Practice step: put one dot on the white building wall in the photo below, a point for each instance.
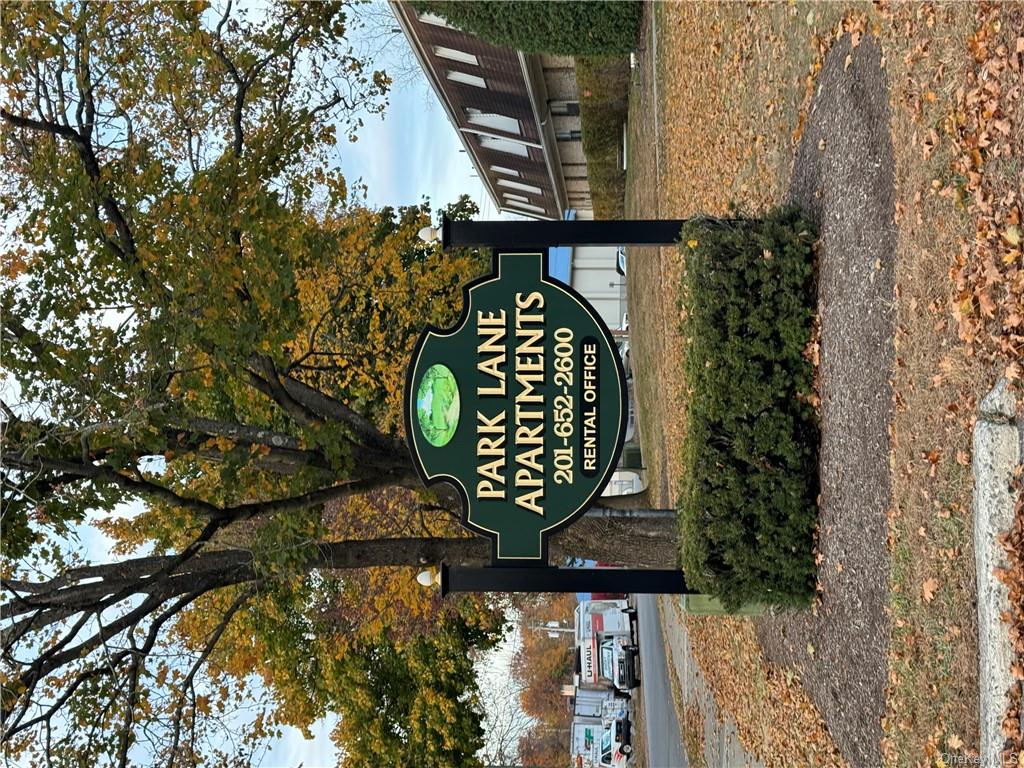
(593, 274)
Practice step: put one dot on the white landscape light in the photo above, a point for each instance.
(429, 577)
(429, 235)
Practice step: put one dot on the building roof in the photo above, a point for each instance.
(495, 99)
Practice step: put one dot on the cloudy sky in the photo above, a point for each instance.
(414, 150)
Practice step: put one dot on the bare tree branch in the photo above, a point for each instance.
(170, 579)
(211, 643)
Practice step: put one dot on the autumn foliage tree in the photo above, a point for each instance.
(544, 747)
(198, 318)
(415, 703)
(542, 665)
(196, 315)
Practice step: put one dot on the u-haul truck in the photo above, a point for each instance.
(604, 703)
(596, 743)
(604, 643)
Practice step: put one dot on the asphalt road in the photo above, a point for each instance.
(664, 744)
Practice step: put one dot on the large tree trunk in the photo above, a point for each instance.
(92, 587)
(89, 590)
(646, 542)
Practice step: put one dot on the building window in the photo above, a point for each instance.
(504, 145)
(526, 206)
(568, 135)
(507, 171)
(491, 120)
(510, 196)
(520, 186)
(433, 18)
(466, 79)
(455, 55)
(561, 108)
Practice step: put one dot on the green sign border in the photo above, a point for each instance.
(410, 408)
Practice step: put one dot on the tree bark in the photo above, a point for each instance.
(641, 543)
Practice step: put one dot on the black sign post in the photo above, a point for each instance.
(519, 235)
(549, 579)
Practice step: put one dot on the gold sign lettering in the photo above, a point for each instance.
(492, 486)
(491, 329)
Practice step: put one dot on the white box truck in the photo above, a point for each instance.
(605, 646)
(599, 744)
(603, 703)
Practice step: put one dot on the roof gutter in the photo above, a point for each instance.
(533, 74)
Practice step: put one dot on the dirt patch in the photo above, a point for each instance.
(693, 734)
(843, 178)
(651, 283)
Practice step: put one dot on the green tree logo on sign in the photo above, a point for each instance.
(520, 406)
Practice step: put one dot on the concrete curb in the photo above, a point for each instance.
(998, 441)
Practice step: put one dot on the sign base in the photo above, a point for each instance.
(549, 579)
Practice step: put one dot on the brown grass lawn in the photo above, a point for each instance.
(715, 115)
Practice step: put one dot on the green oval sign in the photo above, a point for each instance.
(437, 405)
(520, 406)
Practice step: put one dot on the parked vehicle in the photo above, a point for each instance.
(624, 482)
(597, 744)
(605, 646)
(623, 347)
(604, 703)
(606, 669)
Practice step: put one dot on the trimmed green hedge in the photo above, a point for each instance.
(603, 87)
(571, 28)
(748, 504)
